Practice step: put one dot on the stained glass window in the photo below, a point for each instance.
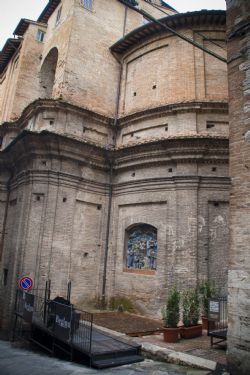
(141, 247)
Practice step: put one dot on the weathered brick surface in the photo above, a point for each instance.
(21, 79)
(239, 266)
(169, 154)
(172, 72)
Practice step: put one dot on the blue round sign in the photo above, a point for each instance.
(26, 283)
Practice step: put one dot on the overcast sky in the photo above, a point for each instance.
(12, 10)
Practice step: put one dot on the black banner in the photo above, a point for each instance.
(63, 316)
(29, 300)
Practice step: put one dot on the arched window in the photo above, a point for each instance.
(141, 247)
(47, 73)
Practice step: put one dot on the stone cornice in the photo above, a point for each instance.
(188, 106)
(203, 149)
(42, 177)
(171, 183)
(53, 105)
(184, 138)
(52, 145)
(58, 105)
(186, 149)
(197, 142)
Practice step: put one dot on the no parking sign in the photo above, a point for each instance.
(26, 283)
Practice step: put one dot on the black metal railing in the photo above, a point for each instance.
(70, 325)
(217, 319)
(57, 317)
(27, 306)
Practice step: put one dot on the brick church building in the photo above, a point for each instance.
(114, 152)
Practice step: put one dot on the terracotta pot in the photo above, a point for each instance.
(170, 334)
(191, 332)
(204, 322)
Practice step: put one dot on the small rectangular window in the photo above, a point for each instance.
(210, 125)
(40, 36)
(88, 4)
(58, 15)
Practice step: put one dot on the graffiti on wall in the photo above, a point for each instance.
(141, 249)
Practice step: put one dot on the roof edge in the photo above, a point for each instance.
(8, 51)
(168, 6)
(174, 21)
(48, 10)
(23, 26)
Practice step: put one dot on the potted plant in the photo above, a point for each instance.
(207, 290)
(171, 316)
(191, 313)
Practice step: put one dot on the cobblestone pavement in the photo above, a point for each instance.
(130, 323)
(19, 361)
(199, 347)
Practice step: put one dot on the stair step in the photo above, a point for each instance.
(117, 361)
(114, 354)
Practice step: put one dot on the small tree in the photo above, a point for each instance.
(171, 312)
(191, 307)
(207, 290)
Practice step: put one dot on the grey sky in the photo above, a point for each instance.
(12, 10)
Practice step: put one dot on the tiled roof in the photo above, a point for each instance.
(48, 10)
(22, 26)
(189, 19)
(8, 51)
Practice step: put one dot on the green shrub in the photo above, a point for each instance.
(121, 304)
(207, 290)
(171, 312)
(191, 307)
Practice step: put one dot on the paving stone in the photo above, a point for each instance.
(19, 361)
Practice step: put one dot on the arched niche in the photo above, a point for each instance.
(141, 247)
(47, 73)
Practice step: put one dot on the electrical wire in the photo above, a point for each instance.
(159, 7)
(168, 28)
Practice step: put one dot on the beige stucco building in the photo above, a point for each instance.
(114, 152)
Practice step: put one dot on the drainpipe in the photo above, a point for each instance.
(5, 216)
(110, 162)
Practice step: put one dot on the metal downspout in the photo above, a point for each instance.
(109, 160)
(5, 216)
